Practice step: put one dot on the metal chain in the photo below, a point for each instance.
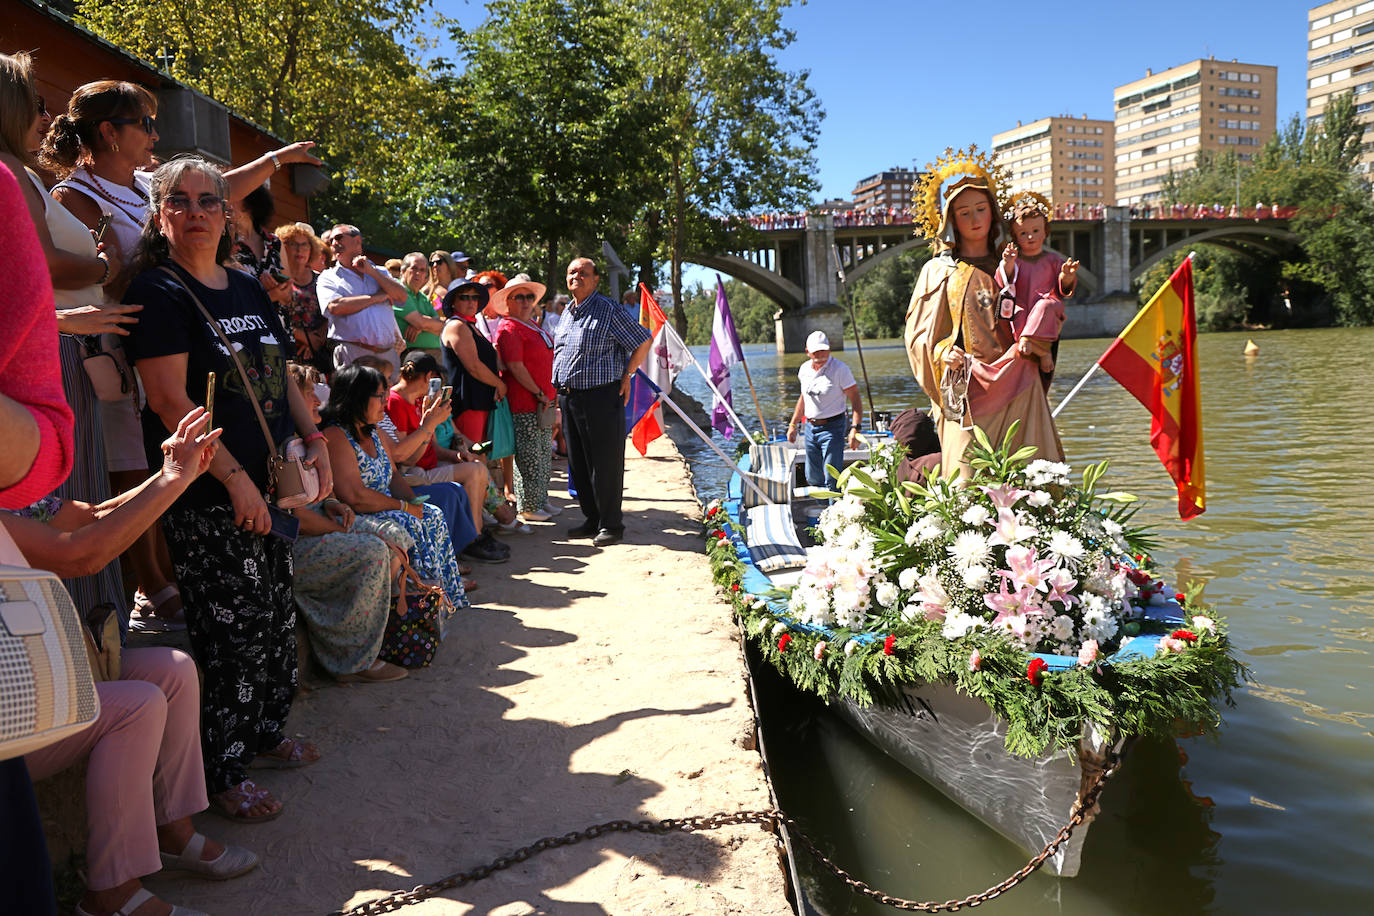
(773, 817)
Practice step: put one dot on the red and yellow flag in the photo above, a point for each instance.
(645, 414)
(1155, 359)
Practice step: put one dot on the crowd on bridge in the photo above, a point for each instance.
(273, 433)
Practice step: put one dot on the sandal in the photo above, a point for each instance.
(232, 862)
(136, 900)
(464, 569)
(470, 585)
(147, 617)
(233, 803)
(288, 755)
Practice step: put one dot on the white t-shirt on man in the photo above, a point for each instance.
(823, 390)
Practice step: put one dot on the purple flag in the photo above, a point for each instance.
(725, 352)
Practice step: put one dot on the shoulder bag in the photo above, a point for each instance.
(46, 688)
(414, 628)
(290, 484)
(112, 379)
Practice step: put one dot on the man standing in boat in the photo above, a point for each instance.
(825, 384)
(597, 348)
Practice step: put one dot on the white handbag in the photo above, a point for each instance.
(46, 688)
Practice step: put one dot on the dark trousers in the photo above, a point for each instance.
(25, 872)
(594, 427)
(241, 620)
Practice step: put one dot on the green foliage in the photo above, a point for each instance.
(881, 297)
(1311, 167)
(752, 310)
(344, 74)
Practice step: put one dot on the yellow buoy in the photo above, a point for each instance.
(1251, 348)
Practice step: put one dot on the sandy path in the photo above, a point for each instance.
(589, 686)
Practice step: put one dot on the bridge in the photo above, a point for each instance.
(793, 262)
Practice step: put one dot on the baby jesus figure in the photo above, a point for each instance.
(1039, 280)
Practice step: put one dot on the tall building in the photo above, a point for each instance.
(1166, 119)
(891, 188)
(1340, 58)
(1067, 159)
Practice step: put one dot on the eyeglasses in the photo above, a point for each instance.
(147, 122)
(468, 297)
(181, 203)
(42, 106)
(351, 233)
(523, 297)
(435, 263)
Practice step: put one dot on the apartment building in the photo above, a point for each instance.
(1165, 120)
(1068, 159)
(891, 188)
(1340, 58)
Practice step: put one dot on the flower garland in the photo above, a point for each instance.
(888, 599)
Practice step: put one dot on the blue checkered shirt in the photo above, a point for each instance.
(593, 343)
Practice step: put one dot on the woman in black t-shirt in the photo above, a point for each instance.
(235, 573)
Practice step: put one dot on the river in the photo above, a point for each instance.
(1275, 815)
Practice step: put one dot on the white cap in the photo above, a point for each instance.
(817, 340)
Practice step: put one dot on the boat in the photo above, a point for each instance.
(951, 739)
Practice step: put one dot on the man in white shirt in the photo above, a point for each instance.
(356, 298)
(826, 384)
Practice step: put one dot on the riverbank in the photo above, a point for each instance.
(589, 685)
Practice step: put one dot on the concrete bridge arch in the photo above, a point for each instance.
(1268, 239)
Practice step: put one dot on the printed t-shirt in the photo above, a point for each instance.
(415, 302)
(517, 342)
(170, 324)
(406, 417)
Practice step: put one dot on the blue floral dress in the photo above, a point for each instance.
(432, 556)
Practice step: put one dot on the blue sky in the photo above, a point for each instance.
(900, 80)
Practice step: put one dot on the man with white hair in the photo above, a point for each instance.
(356, 297)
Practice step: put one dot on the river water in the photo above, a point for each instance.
(1275, 815)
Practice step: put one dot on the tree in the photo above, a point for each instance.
(881, 298)
(730, 131)
(340, 72)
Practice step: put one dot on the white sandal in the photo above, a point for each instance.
(140, 897)
(234, 861)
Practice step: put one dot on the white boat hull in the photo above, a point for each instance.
(957, 744)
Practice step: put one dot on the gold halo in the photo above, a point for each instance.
(1042, 203)
(927, 206)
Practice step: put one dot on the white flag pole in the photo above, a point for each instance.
(710, 384)
(1081, 382)
(715, 448)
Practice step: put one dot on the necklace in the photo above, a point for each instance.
(140, 205)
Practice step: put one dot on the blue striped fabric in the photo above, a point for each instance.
(772, 538)
(772, 470)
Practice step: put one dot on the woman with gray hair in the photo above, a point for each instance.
(232, 558)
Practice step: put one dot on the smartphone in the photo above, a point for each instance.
(284, 525)
(448, 392)
(101, 225)
(435, 386)
(478, 448)
(278, 275)
(209, 401)
(419, 499)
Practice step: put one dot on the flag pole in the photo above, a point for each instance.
(706, 376)
(715, 448)
(748, 378)
(1086, 375)
(839, 270)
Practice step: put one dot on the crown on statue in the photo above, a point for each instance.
(1028, 203)
(928, 205)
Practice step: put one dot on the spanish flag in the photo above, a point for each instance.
(644, 415)
(1155, 359)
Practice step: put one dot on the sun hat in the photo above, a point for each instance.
(451, 297)
(816, 341)
(516, 283)
(458, 257)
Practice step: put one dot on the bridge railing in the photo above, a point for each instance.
(852, 219)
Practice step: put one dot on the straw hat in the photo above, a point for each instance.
(499, 303)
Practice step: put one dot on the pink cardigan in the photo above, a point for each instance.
(29, 369)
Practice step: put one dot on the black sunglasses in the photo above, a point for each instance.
(147, 122)
(435, 263)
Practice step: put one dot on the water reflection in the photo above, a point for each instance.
(1283, 550)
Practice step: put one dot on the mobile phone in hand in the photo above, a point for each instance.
(419, 499)
(278, 275)
(478, 448)
(209, 401)
(284, 525)
(435, 386)
(101, 225)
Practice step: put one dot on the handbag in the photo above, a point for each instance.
(290, 483)
(501, 431)
(414, 626)
(46, 688)
(112, 379)
(547, 415)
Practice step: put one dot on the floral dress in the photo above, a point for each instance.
(432, 556)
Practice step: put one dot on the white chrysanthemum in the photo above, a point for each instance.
(1112, 527)
(907, 578)
(878, 473)
(1065, 549)
(911, 612)
(1062, 628)
(886, 594)
(970, 548)
(976, 515)
(931, 528)
(1039, 499)
(976, 576)
(959, 624)
(912, 534)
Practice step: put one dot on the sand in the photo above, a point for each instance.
(589, 685)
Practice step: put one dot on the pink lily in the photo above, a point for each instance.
(1009, 604)
(933, 597)
(1059, 582)
(1009, 529)
(1004, 495)
(1026, 571)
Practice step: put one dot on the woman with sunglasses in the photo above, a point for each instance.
(526, 351)
(443, 271)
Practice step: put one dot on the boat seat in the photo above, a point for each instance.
(772, 538)
(772, 468)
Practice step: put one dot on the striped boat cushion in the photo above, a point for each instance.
(772, 468)
(772, 538)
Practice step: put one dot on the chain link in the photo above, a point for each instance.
(1086, 800)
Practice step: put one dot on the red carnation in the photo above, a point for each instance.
(889, 643)
(721, 535)
(734, 586)
(784, 641)
(1035, 671)
(1185, 635)
(1180, 597)
(1137, 576)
